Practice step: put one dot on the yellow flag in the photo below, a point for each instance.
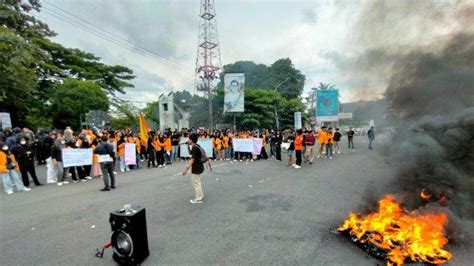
(144, 129)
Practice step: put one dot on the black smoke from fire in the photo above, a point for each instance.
(432, 101)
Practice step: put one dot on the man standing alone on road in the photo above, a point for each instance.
(106, 151)
(371, 135)
(197, 167)
(350, 138)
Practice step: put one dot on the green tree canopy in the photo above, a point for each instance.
(73, 99)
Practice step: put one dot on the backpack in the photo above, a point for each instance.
(204, 158)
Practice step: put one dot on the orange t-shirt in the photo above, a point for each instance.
(168, 146)
(3, 162)
(299, 143)
(322, 137)
(121, 149)
(158, 145)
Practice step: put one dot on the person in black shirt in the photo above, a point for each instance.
(25, 155)
(197, 168)
(291, 149)
(337, 138)
(350, 138)
(277, 142)
(105, 148)
(175, 137)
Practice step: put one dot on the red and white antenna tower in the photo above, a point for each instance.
(208, 59)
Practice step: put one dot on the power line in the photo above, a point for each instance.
(125, 44)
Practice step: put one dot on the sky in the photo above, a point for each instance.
(316, 35)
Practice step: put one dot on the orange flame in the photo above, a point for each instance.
(402, 234)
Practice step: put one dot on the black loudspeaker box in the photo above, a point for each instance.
(129, 235)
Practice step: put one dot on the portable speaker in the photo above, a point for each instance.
(129, 235)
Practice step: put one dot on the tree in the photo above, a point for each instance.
(71, 100)
(292, 81)
(325, 86)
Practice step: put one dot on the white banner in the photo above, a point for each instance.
(345, 116)
(234, 92)
(130, 154)
(257, 146)
(5, 120)
(206, 144)
(77, 157)
(243, 145)
(103, 158)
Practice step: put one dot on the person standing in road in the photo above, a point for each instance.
(9, 170)
(322, 139)
(309, 140)
(337, 138)
(350, 138)
(371, 136)
(277, 139)
(197, 167)
(299, 147)
(26, 160)
(329, 143)
(291, 149)
(106, 151)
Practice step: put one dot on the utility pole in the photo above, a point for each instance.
(208, 59)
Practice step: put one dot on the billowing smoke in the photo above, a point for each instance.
(430, 88)
(432, 99)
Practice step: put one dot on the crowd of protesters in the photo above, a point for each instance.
(22, 149)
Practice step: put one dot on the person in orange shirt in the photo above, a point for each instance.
(226, 144)
(219, 146)
(329, 143)
(9, 170)
(168, 148)
(159, 148)
(322, 139)
(299, 147)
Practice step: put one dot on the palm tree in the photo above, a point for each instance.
(325, 86)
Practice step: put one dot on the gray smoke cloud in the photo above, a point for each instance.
(422, 52)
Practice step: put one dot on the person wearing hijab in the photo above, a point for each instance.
(9, 170)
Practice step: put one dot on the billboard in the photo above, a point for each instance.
(327, 105)
(234, 92)
(298, 124)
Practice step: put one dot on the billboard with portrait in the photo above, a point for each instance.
(234, 87)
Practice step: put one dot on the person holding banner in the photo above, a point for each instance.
(197, 168)
(121, 153)
(106, 154)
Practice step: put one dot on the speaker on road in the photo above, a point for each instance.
(129, 235)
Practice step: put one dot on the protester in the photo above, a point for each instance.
(26, 160)
(299, 147)
(322, 139)
(57, 157)
(371, 136)
(175, 138)
(121, 152)
(151, 150)
(350, 138)
(168, 148)
(51, 172)
(309, 141)
(197, 168)
(277, 140)
(159, 147)
(291, 149)
(329, 143)
(337, 138)
(9, 170)
(107, 151)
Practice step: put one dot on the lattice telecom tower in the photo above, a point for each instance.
(208, 59)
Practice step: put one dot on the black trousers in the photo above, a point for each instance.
(151, 157)
(108, 172)
(278, 152)
(298, 157)
(263, 154)
(160, 157)
(25, 168)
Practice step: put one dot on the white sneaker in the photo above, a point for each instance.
(27, 189)
(141, 160)
(75, 181)
(251, 160)
(69, 175)
(240, 159)
(353, 150)
(83, 180)
(193, 201)
(338, 152)
(65, 182)
(297, 167)
(160, 166)
(10, 192)
(319, 156)
(60, 183)
(330, 157)
(88, 178)
(115, 173)
(294, 165)
(121, 170)
(127, 169)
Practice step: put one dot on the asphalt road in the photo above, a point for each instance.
(257, 213)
